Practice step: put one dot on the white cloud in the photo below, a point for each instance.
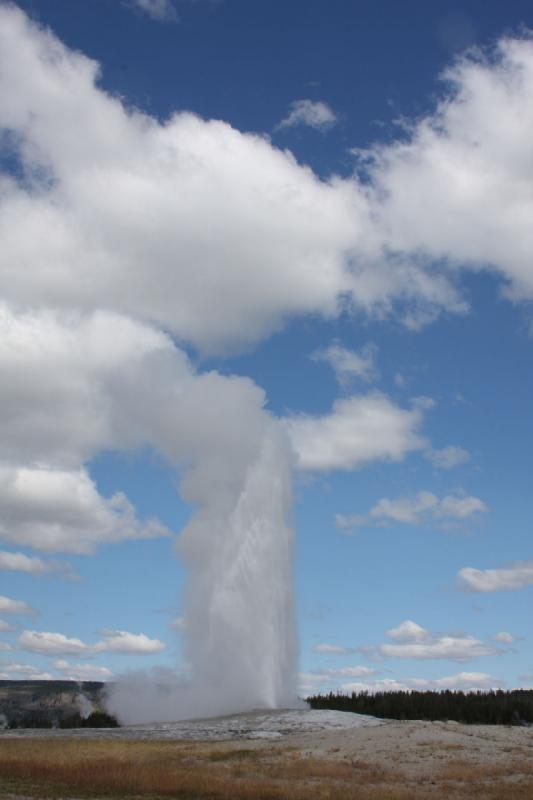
(62, 510)
(418, 509)
(6, 626)
(325, 679)
(349, 522)
(332, 680)
(160, 10)
(125, 642)
(27, 670)
(359, 429)
(404, 509)
(455, 648)
(515, 576)
(82, 672)
(278, 235)
(19, 562)
(472, 157)
(349, 364)
(408, 631)
(281, 242)
(15, 671)
(5, 646)
(332, 648)
(469, 681)
(178, 624)
(447, 457)
(10, 606)
(411, 641)
(64, 378)
(349, 672)
(310, 113)
(505, 637)
(465, 681)
(52, 644)
(379, 685)
(57, 644)
(460, 506)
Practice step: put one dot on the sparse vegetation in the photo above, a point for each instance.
(157, 769)
(480, 708)
(238, 771)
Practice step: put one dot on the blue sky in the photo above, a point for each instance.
(351, 235)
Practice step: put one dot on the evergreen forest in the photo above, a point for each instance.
(482, 708)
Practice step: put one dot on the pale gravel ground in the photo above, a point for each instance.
(417, 748)
(412, 748)
(249, 725)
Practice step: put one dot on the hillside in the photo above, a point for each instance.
(48, 703)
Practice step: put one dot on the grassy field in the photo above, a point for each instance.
(239, 771)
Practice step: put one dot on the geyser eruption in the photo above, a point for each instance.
(240, 639)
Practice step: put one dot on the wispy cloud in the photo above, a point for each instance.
(515, 576)
(447, 457)
(321, 679)
(422, 508)
(159, 10)
(19, 562)
(311, 114)
(12, 670)
(466, 681)
(505, 637)
(82, 672)
(113, 641)
(333, 649)
(349, 364)
(412, 641)
(10, 606)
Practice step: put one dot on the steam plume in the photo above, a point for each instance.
(240, 632)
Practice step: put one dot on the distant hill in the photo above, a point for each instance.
(46, 704)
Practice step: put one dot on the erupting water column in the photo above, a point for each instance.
(239, 598)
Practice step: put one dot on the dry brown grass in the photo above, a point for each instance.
(441, 746)
(466, 771)
(225, 771)
(163, 769)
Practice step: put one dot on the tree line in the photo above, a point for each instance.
(97, 719)
(484, 708)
